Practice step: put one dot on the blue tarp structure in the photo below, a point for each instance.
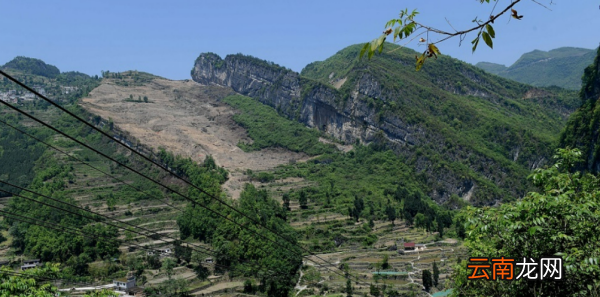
(442, 293)
(389, 273)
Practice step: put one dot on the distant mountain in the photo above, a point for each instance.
(32, 66)
(465, 132)
(561, 67)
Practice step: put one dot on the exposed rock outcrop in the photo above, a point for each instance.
(583, 128)
(353, 112)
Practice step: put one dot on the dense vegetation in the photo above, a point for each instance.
(270, 259)
(268, 129)
(369, 182)
(32, 66)
(34, 282)
(561, 67)
(18, 153)
(562, 219)
(583, 125)
(480, 129)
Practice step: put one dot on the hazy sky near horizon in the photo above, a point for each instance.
(165, 37)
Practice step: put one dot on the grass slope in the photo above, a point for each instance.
(561, 67)
(481, 127)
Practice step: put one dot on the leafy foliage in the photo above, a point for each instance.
(427, 280)
(248, 254)
(562, 219)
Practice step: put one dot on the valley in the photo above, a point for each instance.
(351, 163)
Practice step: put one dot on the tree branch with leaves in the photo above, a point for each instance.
(406, 27)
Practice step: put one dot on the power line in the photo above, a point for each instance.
(57, 227)
(88, 164)
(141, 174)
(72, 212)
(83, 162)
(167, 170)
(206, 251)
(83, 209)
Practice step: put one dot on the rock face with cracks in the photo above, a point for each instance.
(344, 109)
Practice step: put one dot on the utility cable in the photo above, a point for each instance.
(205, 250)
(167, 170)
(70, 230)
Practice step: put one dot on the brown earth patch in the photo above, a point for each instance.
(187, 119)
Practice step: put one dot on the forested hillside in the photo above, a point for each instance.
(468, 133)
(562, 67)
(32, 66)
(583, 126)
(390, 156)
(560, 219)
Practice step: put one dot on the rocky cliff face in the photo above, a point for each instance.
(583, 128)
(358, 111)
(315, 104)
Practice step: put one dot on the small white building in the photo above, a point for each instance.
(28, 264)
(420, 246)
(125, 283)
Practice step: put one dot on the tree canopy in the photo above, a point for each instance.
(562, 219)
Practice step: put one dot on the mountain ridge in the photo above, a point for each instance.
(561, 67)
(378, 102)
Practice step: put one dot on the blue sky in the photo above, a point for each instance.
(165, 37)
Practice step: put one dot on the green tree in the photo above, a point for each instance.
(390, 211)
(202, 272)
(311, 276)
(427, 282)
(562, 219)
(111, 202)
(303, 200)
(146, 99)
(286, 201)
(420, 221)
(348, 288)
(359, 206)
(436, 274)
(248, 288)
(153, 261)
(182, 252)
(385, 262)
(440, 229)
(167, 266)
(28, 284)
(374, 290)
